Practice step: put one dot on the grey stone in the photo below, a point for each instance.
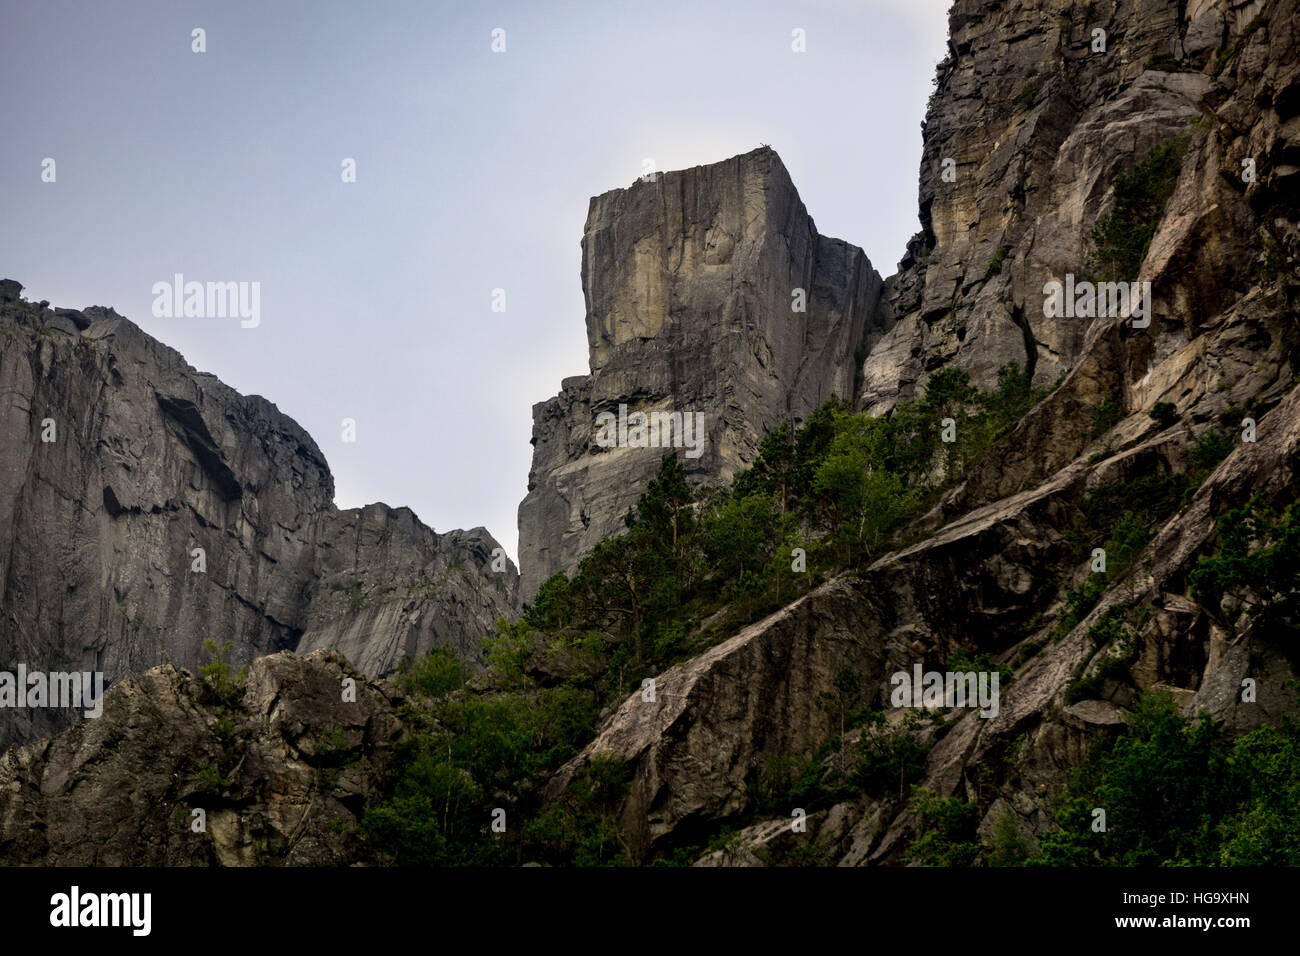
(689, 283)
(153, 460)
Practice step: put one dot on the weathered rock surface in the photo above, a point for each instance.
(990, 576)
(149, 460)
(391, 588)
(714, 252)
(690, 289)
(281, 773)
(1037, 123)
(718, 718)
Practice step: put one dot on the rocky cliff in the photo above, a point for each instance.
(1044, 108)
(172, 774)
(146, 507)
(1037, 107)
(709, 292)
(1040, 126)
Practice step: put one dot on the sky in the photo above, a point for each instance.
(473, 172)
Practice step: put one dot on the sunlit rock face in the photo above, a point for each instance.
(709, 292)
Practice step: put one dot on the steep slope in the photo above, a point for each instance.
(1037, 106)
(146, 507)
(690, 283)
(992, 574)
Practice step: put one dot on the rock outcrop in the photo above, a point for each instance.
(279, 772)
(1037, 107)
(991, 572)
(146, 507)
(709, 291)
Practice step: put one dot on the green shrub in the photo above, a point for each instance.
(994, 265)
(1164, 63)
(1211, 448)
(1258, 555)
(1120, 240)
(1225, 57)
(211, 779)
(888, 761)
(581, 828)
(1009, 846)
(436, 674)
(1090, 686)
(945, 830)
(1104, 417)
(1180, 792)
(964, 661)
(217, 685)
(1164, 413)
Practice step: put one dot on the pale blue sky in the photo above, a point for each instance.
(474, 170)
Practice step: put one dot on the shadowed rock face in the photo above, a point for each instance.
(689, 283)
(151, 460)
(284, 778)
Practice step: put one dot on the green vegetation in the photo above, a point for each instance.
(1119, 518)
(217, 686)
(210, 778)
(1109, 631)
(1121, 238)
(332, 748)
(1009, 846)
(945, 830)
(1027, 96)
(470, 755)
(1257, 562)
(1104, 417)
(994, 266)
(1175, 791)
(963, 661)
(1164, 63)
(356, 598)
(1226, 57)
(581, 828)
(843, 487)
(223, 692)
(435, 675)
(1272, 260)
(1164, 413)
(840, 487)
(1211, 448)
(1178, 791)
(882, 762)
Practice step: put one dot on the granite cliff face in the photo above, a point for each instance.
(991, 572)
(690, 283)
(146, 507)
(1037, 107)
